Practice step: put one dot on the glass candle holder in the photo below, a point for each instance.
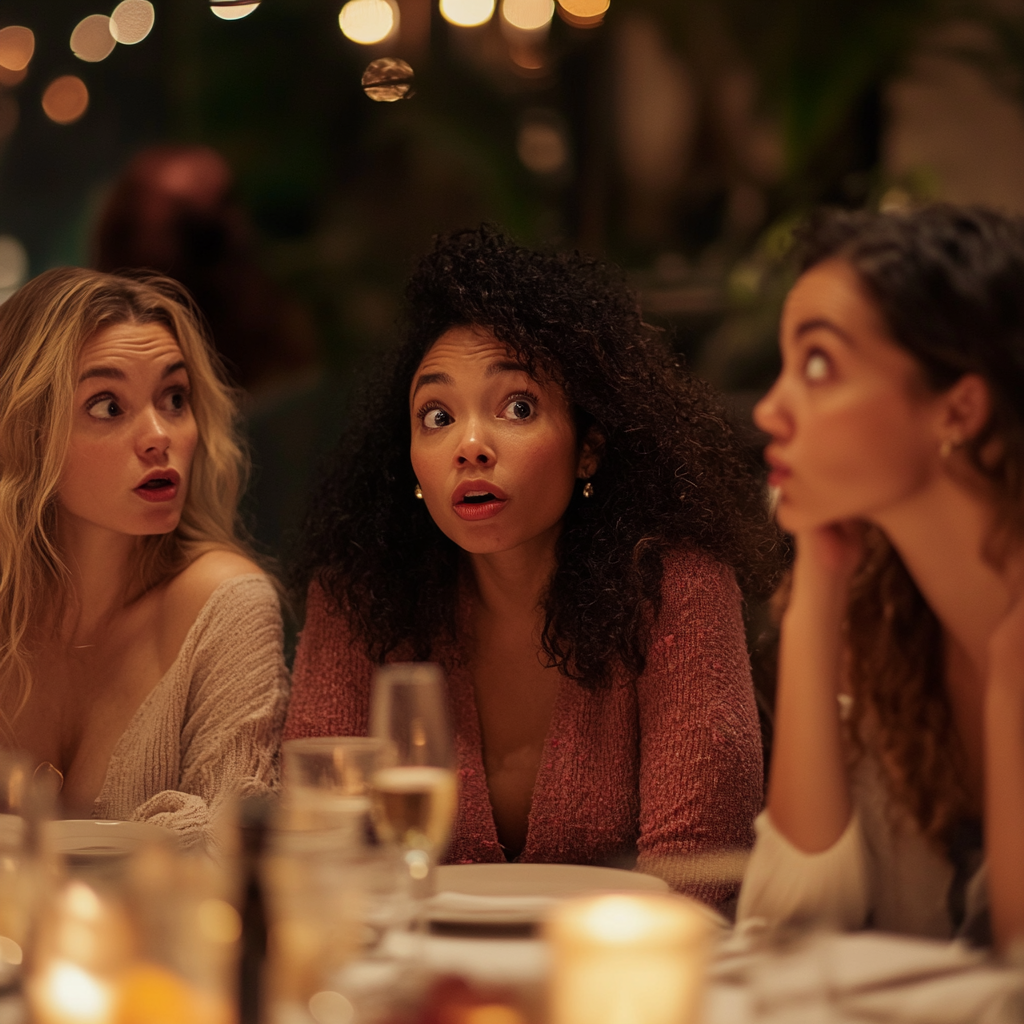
(628, 959)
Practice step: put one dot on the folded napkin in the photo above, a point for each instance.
(875, 976)
(463, 908)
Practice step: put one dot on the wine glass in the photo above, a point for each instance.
(415, 793)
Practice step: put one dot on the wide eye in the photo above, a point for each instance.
(817, 366)
(435, 418)
(520, 409)
(175, 401)
(104, 409)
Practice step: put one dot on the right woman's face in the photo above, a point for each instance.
(855, 432)
(133, 435)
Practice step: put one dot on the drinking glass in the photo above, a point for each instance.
(27, 798)
(415, 793)
(327, 783)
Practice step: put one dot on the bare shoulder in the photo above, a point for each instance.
(187, 593)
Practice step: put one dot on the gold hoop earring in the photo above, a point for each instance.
(588, 490)
(417, 493)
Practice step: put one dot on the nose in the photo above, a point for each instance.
(771, 414)
(474, 447)
(152, 439)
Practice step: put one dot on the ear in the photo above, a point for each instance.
(590, 453)
(966, 408)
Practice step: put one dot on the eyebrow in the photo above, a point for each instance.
(505, 366)
(432, 378)
(113, 373)
(820, 323)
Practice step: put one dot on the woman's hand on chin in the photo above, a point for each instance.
(828, 556)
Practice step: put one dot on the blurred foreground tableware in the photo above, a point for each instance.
(327, 782)
(637, 958)
(415, 791)
(513, 894)
(132, 931)
(27, 799)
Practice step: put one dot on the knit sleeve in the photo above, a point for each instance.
(784, 885)
(234, 710)
(331, 692)
(701, 773)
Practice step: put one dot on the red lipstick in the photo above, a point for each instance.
(159, 485)
(478, 499)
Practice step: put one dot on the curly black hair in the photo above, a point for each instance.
(672, 472)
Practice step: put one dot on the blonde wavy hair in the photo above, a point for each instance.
(43, 328)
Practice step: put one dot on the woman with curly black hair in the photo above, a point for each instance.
(541, 500)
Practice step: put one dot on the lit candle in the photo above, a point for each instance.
(628, 959)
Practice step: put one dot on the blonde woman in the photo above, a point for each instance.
(140, 646)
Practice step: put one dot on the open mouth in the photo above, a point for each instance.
(158, 488)
(477, 498)
(479, 504)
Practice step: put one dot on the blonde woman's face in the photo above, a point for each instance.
(133, 434)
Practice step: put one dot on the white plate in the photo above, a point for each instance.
(93, 837)
(523, 893)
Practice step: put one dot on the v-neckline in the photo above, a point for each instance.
(117, 753)
(464, 706)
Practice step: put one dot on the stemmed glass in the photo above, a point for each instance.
(415, 793)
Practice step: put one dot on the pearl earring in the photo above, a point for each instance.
(417, 492)
(588, 490)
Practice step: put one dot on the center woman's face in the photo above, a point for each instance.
(133, 434)
(855, 431)
(493, 449)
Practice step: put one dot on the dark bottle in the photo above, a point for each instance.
(254, 815)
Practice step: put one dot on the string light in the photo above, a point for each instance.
(368, 21)
(92, 41)
(233, 10)
(467, 13)
(17, 44)
(528, 15)
(583, 13)
(132, 21)
(66, 99)
(388, 79)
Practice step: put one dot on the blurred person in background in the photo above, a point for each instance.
(174, 210)
(539, 498)
(141, 657)
(896, 792)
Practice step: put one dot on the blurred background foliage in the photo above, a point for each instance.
(681, 138)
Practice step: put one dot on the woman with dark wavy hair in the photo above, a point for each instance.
(541, 500)
(897, 448)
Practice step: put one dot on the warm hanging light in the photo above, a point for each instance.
(132, 21)
(528, 15)
(66, 99)
(368, 21)
(467, 13)
(233, 10)
(17, 44)
(92, 41)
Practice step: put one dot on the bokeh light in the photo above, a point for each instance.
(387, 80)
(467, 13)
(368, 21)
(586, 12)
(10, 113)
(542, 145)
(17, 44)
(233, 10)
(132, 21)
(91, 40)
(528, 15)
(13, 265)
(66, 99)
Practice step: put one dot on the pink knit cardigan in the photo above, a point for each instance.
(667, 766)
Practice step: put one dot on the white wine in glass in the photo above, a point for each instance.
(415, 794)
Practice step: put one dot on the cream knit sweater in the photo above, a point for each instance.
(212, 726)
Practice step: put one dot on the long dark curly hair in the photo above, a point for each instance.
(949, 282)
(672, 473)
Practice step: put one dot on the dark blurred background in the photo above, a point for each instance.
(680, 138)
